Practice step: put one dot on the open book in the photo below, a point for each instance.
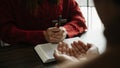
(45, 51)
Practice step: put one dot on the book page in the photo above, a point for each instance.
(49, 50)
(41, 53)
(45, 51)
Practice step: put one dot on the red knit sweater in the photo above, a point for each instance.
(18, 25)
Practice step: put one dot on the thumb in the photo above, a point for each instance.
(56, 54)
(60, 57)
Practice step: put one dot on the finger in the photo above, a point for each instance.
(81, 46)
(67, 52)
(49, 33)
(71, 52)
(56, 37)
(56, 52)
(65, 44)
(75, 53)
(84, 46)
(64, 47)
(64, 50)
(59, 47)
(88, 46)
(56, 24)
(55, 29)
(59, 34)
(58, 56)
(76, 48)
(53, 40)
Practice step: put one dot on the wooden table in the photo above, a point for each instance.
(21, 56)
(24, 56)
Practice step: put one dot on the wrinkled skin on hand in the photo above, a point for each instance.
(55, 34)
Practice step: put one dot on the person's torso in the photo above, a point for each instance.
(41, 19)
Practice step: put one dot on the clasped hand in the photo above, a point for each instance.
(55, 34)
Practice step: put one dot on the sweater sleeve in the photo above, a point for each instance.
(10, 33)
(76, 25)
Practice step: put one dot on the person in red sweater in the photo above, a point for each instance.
(37, 21)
